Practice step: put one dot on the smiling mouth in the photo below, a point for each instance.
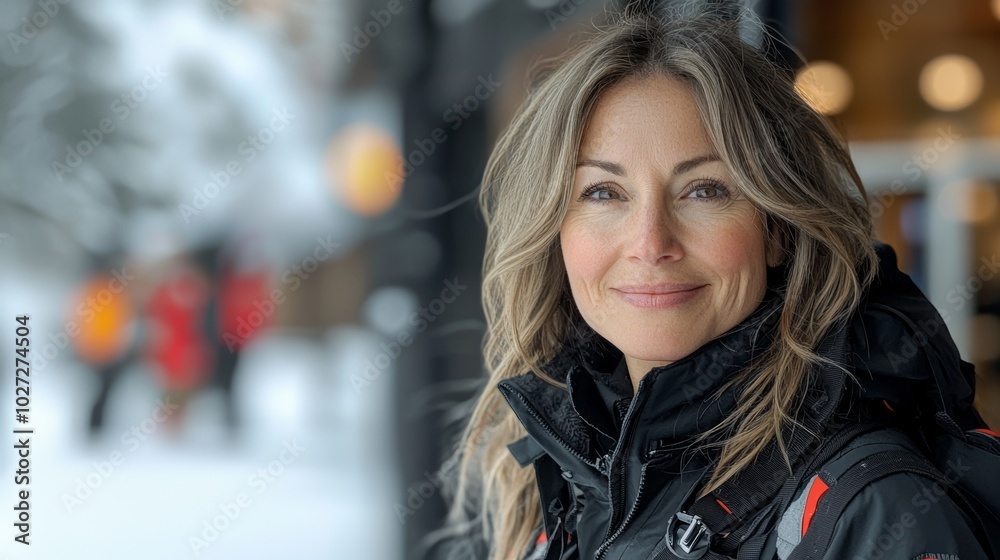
(659, 296)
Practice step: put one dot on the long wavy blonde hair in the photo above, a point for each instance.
(787, 159)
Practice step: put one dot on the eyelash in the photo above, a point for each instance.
(706, 183)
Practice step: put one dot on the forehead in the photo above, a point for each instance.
(654, 116)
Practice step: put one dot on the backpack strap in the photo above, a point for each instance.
(742, 524)
(736, 517)
(745, 506)
(751, 538)
(846, 487)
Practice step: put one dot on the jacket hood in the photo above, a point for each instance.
(902, 351)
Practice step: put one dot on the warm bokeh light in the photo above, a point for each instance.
(985, 332)
(826, 86)
(996, 8)
(951, 82)
(364, 166)
(982, 204)
(971, 202)
(103, 315)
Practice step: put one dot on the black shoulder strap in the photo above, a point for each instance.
(768, 482)
(866, 471)
(747, 538)
(746, 504)
(759, 492)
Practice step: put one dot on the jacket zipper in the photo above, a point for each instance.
(654, 455)
(603, 465)
(627, 430)
(628, 519)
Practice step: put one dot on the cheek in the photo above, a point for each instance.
(586, 255)
(735, 249)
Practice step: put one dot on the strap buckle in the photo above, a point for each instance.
(687, 536)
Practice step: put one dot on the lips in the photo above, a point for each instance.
(661, 288)
(659, 296)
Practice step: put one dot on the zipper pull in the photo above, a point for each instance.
(658, 449)
(604, 464)
(653, 449)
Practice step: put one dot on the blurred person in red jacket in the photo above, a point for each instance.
(178, 345)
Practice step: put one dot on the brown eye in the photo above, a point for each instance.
(709, 191)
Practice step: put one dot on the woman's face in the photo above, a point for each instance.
(662, 251)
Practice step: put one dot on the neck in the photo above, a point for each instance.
(637, 369)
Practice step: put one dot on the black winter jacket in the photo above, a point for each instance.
(613, 467)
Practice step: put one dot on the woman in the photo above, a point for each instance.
(678, 258)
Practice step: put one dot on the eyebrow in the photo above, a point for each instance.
(617, 169)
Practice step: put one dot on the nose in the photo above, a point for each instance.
(652, 235)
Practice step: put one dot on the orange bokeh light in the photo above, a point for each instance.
(365, 169)
(104, 319)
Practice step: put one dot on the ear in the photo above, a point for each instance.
(774, 240)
